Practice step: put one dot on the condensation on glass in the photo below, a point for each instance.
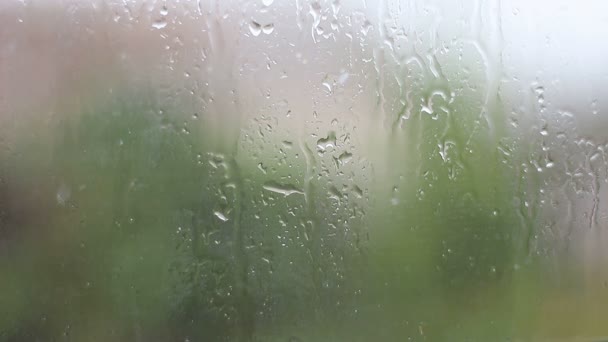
(303, 170)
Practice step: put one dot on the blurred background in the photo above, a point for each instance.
(268, 170)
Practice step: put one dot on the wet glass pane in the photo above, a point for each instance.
(323, 170)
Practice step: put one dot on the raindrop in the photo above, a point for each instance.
(594, 110)
(345, 157)
(262, 168)
(315, 10)
(159, 24)
(63, 194)
(324, 143)
(220, 216)
(268, 28)
(395, 198)
(334, 193)
(357, 191)
(366, 27)
(540, 96)
(164, 11)
(283, 189)
(255, 28)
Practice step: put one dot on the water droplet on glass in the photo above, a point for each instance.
(324, 143)
(327, 86)
(395, 196)
(255, 28)
(63, 194)
(268, 28)
(159, 24)
(164, 11)
(220, 216)
(262, 168)
(357, 191)
(345, 157)
(283, 189)
(366, 27)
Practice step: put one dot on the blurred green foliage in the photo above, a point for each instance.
(92, 248)
(110, 231)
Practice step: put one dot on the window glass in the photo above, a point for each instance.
(323, 170)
